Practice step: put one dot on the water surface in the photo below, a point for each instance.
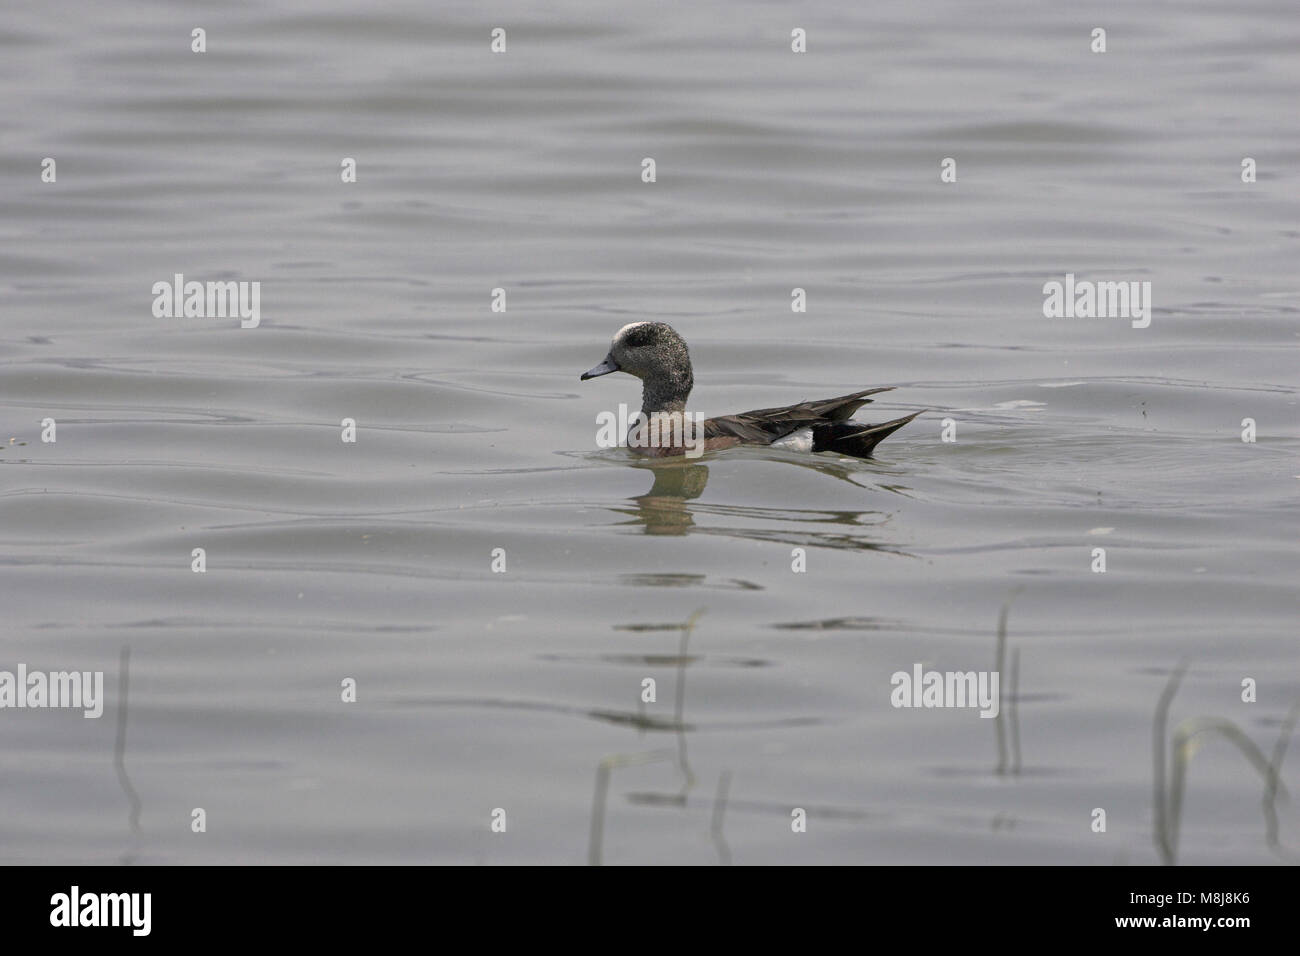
(372, 561)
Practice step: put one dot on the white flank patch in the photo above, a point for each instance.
(801, 440)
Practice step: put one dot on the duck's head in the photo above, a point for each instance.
(654, 353)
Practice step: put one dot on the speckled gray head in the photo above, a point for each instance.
(656, 354)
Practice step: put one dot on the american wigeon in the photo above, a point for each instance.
(656, 354)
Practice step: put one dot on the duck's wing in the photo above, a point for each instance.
(823, 410)
(766, 425)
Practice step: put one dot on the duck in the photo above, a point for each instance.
(656, 354)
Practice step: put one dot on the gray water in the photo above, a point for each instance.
(776, 170)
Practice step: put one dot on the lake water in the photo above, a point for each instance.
(522, 691)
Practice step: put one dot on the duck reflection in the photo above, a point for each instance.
(662, 510)
(666, 509)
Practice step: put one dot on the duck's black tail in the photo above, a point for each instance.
(854, 438)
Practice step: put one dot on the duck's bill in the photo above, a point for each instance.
(604, 368)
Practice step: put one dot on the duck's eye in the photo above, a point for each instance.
(639, 337)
